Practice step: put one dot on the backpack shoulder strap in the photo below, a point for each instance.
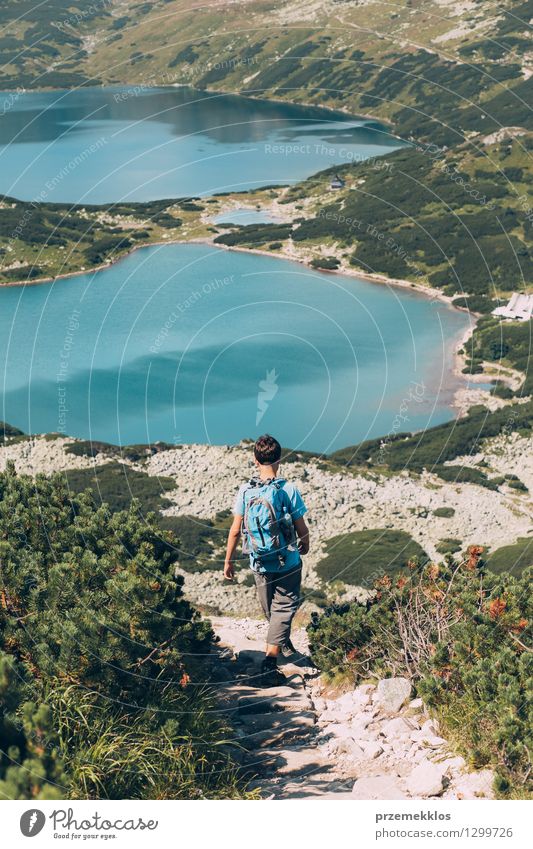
(281, 488)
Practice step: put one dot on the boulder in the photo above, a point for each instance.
(346, 705)
(430, 727)
(378, 787)
(363, 694)
(392, 693)
(427, 779)
(434, 742)
(454, 763)
(427, 738)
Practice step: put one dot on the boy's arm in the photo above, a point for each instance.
(302, 531)
(233, 541)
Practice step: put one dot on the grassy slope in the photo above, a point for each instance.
(45, 240)
(409, 216)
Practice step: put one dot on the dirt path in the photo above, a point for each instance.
(373, 742)
(278, 726)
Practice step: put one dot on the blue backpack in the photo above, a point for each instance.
(267, 526)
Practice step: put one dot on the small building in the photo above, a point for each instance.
(337, 182)
(519, 308)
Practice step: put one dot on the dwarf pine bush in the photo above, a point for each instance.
(99, 652)
(463, 636)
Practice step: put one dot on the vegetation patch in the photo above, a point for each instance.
(360, 557)
(463, 636)
(445, 442)
(444, 512)
(505, 343)
(99, 657)
(117, 485)
(449, 545)
(200, 542)
(513, 558)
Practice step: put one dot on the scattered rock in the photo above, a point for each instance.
(372, 749)
(427, 779)
(392, 693)
(396, 727)
(455, 764)
(349, 747)
(474, 785)
(302, 745)
(431, 740)
(378, 787)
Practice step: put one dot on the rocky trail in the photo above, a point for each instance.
(300, 742)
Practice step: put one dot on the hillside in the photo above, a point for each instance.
(437, 69)
(370, 508)
(454, 220)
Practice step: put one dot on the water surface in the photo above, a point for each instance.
(245, 216)
(189, 343)
(95, 145)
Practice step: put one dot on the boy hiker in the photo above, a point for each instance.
(269, 513)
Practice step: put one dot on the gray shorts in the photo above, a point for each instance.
(279, 595)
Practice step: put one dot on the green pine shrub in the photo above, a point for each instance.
(462, 634)
(449, 545)
(444, 512)
(326, 263)
(99, 655)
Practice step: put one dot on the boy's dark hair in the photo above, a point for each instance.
(267, 450)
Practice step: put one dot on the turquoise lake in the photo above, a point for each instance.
(190, 343)
(98, 145)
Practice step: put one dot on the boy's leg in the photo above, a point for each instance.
(265, 584)
(270, 675)
(285, 600)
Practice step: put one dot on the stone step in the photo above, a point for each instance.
(309, 788)
(274, 699)
(296, 761)
(270, 729)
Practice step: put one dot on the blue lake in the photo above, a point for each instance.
(245, 216)
(190, 343)
(97, 145)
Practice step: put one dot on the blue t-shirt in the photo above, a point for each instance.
(297, 510)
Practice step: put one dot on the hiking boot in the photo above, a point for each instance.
(288, 649)
(270, 675)
(292, 655)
